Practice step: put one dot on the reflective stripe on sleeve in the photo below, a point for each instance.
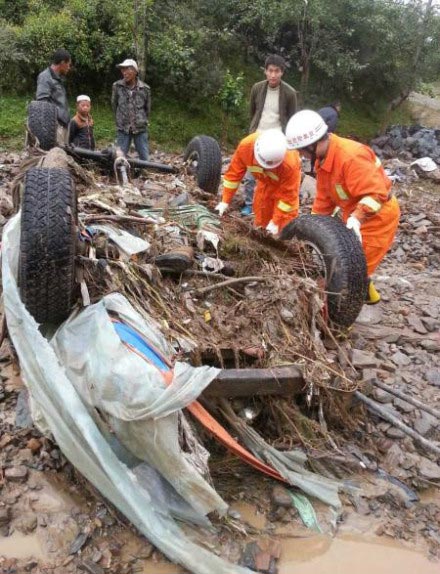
(377, 163)
(341, 192)
(371, 203)
(230, 184)
(286, 207)
(258, 169)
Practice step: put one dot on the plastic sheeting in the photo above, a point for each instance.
(73, 427)
(128, 243)
(143, 412)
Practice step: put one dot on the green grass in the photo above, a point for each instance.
(173, 124)
(365, 123)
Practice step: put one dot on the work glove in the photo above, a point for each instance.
(272, 228)
(354, 224)
(221, 207)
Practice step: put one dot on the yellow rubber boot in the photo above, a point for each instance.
(373, 295)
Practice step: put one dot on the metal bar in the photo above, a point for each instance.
(407, 398)
(284, 381)
(387, 416)
(88, 153)
(151, 165)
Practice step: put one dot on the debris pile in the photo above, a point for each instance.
(408, 143)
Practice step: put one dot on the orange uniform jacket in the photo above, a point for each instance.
(276, 195)
(351, 177)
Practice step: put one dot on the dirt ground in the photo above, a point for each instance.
(425, 110)
(53, 521)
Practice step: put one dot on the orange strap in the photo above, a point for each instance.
(215, 428)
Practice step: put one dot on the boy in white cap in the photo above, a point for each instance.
(81, 125)
(131, 103)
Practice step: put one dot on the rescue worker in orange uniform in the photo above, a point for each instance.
(278, 174)
(351, 177)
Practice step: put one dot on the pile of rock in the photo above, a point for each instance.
(408, 143)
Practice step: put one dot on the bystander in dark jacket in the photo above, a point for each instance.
(51, 88)
(330, 114)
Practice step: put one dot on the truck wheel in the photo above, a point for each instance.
(43, 123)
(203, 155)
(339, 253)
(48, 244)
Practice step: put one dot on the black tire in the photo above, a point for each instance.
(43, 123)
(203, 153)
(344, 261)
(48, 244)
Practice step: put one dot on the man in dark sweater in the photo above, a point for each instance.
(50, 88)
(272, 103)
(81, 125)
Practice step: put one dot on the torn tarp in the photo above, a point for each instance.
(72, 424)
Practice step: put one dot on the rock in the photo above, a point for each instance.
(382, 396)
(400, 359)
(78, 543)
(433, 377)
(16, 473)
(429, 470)
(369, 376)
(430, 345)
(26, 524)
(425, 423)
(404, 406)
(394, 432)
(416, 324)
(430, 323)
(363, 359)
(34, 445)
(23, 418)
(5, 515)
(90, 567)
(281, 497)
(370, 315)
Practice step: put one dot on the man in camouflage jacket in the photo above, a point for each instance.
(131, 103)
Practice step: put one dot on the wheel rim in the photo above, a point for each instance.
(193, 162)
(318, 261)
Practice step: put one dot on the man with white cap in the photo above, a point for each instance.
(131, 103)
(81, 125)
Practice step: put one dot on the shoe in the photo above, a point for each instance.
(373, 295)
(246, 210)
(177, 260)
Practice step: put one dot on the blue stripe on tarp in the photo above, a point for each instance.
(128, 335)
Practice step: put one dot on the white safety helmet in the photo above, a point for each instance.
(305, 128)
(270, 148)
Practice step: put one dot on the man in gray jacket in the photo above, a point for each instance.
(272, 103)
(50, 88)
(131, 103)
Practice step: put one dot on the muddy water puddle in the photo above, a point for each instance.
(351, 554)
(21, 546)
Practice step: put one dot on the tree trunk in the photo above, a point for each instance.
(140, 35)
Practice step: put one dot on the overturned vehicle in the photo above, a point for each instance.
(140, 322)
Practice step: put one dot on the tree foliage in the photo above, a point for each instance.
(368, 50)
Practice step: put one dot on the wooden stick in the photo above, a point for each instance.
(229, 282)
(387, 416)
(408, 399)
